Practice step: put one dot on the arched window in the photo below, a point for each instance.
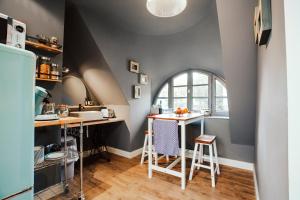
(196, 90)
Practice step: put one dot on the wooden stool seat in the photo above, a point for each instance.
(205, 139)
(210, 141)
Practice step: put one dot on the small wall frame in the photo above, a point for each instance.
(134, 66)
(143, 79)
(137, 91)
(262, 22)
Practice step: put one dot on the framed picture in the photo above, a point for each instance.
(143, 79)
(137, 91)
(262, 22)
(134, 66)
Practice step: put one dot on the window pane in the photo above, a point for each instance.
(164, 91)
(180, 91)
(180, 80)
(200, 104)
(199, 78)
(221, 104)
(200, 91)
(163, 102)
(221, 91)
(182, 103)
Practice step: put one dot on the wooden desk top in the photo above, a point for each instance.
(96, 122)
(59, 122)
(173, 116)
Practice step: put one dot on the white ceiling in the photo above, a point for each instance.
(133, 16)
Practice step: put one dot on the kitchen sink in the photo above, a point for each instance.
(87, 115)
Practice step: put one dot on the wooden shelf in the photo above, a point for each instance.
(50, 80)
(43, 47)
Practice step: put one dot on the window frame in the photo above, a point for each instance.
(214, 97)
(211, 91)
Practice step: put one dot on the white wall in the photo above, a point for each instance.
(292, 31)
(272, 122)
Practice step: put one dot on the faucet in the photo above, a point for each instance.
(80, 107)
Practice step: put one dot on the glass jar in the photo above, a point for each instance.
(45, 67)
(54, 71)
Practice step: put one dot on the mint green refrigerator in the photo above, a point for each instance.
(17, 79)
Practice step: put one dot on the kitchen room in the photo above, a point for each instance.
(92, 88)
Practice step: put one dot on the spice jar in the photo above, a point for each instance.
(45, 67)
(54, 71)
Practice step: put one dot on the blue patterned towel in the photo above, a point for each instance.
(166, 137)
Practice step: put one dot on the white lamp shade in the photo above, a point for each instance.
(166, 8)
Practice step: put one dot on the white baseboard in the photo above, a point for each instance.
(189, 154)
(227, 162)
(255, 184)
(125, 154)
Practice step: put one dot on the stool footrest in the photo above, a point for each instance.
(203, 166)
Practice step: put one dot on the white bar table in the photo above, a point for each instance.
(182, 122)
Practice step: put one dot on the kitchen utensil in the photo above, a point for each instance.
(42, 39)
(54, 155)
(62, 110)
(111, 113)
(53, 40)
(47, 117)
(40, 95)
(48, 108)
(104, 112)
(38, 154)
(52, 148)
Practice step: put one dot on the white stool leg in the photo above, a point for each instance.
(216, 157)
(200, 155)
(156, 158)
(193, 161)
(212, 171)
(144, 149)
(167, 158)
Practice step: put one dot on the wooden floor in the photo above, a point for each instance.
(126, 179)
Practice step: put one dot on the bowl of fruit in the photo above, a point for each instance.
(181, 111)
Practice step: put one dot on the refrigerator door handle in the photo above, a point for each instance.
(17, 194)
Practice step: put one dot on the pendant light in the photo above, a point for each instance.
(166, 8)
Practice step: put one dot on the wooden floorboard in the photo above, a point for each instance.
(126, 179)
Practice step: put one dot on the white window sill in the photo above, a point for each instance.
(217, 117)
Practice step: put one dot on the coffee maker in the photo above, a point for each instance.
(44, 110)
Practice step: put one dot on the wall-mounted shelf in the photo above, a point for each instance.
(50, 80)
(43, 47)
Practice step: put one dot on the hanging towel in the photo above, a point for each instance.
(166, 137)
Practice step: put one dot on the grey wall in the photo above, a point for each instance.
(41, 17)
(239, 61)
(82, 55)
(86, 61)
(272, 128)
(160, 57)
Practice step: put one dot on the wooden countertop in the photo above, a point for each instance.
(74, 122)
(96, 122)
(173, 116)
(59, 122)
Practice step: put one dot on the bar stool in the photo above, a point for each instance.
(145, 150)
(210, 141)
